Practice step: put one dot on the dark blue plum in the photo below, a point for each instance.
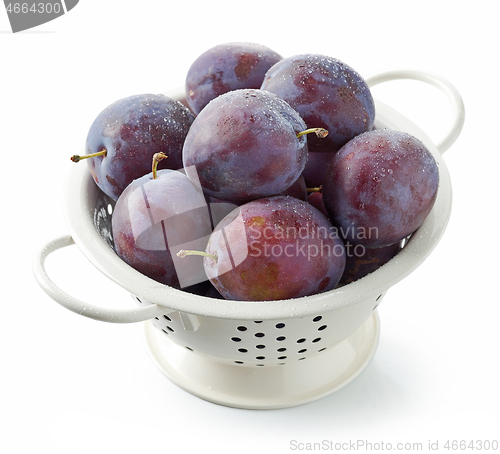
(152, 220)
(244, 146)
(380, 187)
(326, 93)
(315, 169)
(274, 248)
(132, 130)
(316, 200)
(227, 67)
(361, 261)
(297, 189)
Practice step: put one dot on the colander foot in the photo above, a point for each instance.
(262, 388)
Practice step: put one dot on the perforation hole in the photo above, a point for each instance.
(241, 328)
(377, 301)
(317, 319)
(282, 349)
(260, 346)
(321, 328)
(242, 350)
(259, 334)
(280, 338)
(280, 325)
(299, 341)
(235, 339)
(166, 317)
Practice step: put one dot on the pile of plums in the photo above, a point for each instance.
(268, 181)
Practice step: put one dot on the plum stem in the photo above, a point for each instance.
(77, 158)
(320, 132)
(183, 253)
(157, 157)
(318, 189)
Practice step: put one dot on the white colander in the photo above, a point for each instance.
(258, 355)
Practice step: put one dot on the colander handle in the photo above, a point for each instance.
(80, 307)
(432, 79)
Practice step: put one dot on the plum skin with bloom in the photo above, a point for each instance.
(244, 146)
(326, 93)
(361, 261)
(380, 187)
(281, 248)
(315, 169)
(224, 68)
(152, 218)
(132, 130)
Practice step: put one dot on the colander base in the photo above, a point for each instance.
(262, 388)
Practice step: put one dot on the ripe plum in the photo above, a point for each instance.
(156, 217)
(274, 248)
(316, 200)
(131, 131)
(297, 189)
(326, 93)
(315, 169)
(361, 261)
(380, 187)
(244, 146)
(224, 68)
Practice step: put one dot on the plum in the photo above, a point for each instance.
(245, 145)
(156, 216)
(224, 68)
(361, 261)
(274, 248)
(326, 93)
(380, 187)
(315, 169)
(297, 189)
(126, 135)
(316, 200)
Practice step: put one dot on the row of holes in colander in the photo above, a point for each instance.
(261, 347)
(259, 334)
(280, 351)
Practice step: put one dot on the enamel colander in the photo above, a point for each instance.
(258, 355)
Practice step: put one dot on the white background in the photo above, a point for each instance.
(74, 385)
